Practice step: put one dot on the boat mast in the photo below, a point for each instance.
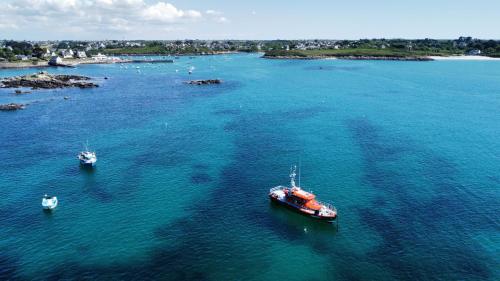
(292, 176)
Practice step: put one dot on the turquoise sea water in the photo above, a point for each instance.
(409, 152)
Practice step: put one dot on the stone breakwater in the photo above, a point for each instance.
(43, 80)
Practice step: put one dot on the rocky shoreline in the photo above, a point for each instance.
(410, 58)
(43, 80)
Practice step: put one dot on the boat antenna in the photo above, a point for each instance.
(300, 168)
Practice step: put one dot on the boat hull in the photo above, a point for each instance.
(300, 211)
(87, 164)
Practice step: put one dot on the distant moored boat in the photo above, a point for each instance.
(49, 202)
(87, 157)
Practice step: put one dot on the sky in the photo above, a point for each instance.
(256, 19)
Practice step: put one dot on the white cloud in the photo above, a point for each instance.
(99, 17)
(216, 16)
(213, 12)
(167, 12)
(221, 19)
(8, 26)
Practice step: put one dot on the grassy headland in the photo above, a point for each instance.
(357, 52)
(366, 53)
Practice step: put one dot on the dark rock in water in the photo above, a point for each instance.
(12, 106)
(200, 178)
(106, 78)
(205, 82)
(43, 80)
(19, 92)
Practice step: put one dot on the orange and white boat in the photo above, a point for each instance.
(302, 201)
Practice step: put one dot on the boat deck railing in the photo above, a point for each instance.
(279, 187)
(328, 205)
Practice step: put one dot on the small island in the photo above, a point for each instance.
(44, 80)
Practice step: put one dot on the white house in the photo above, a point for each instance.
(21, 57)
(99, 57)
(55, 60)
(474, 52)
(67, 54)
(81, 54)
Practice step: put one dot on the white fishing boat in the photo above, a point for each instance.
(87, 157)
(49, 202)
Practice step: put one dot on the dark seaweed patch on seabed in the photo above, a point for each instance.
(413, 221)
(200, 166)
(201, 178)
(9, 267)
(190, 260)
(97, 192)
(256, 153)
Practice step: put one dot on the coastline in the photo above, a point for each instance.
(465, 58)
(412, 58)
(43, 64)
(76, 62)
(73, 63)
(14, 65)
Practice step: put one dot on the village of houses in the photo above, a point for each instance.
(52, 55)
(67, 57)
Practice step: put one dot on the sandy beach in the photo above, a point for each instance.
(472, 58)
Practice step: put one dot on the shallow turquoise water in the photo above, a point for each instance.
(409, 152)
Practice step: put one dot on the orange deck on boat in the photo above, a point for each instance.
(303, 194)
(313, 205)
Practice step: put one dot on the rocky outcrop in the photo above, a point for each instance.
(11, 106)
(19, 92)
(43, 80)
(205, 82)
